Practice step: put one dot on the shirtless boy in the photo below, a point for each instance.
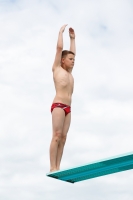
(61, 107)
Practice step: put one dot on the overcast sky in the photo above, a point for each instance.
(102, 104)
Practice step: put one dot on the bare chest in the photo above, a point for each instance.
(64, 79)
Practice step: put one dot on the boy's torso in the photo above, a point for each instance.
(64, 84)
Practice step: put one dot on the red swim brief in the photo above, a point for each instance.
(66, 108)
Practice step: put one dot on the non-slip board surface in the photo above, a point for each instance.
(95, 169)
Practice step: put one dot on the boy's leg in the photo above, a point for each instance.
(58, 118)
(63, 139)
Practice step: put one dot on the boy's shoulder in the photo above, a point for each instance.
(56, 68)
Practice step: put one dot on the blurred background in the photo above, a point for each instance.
(102, 104)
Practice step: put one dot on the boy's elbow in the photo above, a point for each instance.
(59, 48)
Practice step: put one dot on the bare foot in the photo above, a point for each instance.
(53, 170)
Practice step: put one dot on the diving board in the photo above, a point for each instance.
(95, 169)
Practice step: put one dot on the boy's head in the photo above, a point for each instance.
(67, 60)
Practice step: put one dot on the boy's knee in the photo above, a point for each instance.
(57, 136)
(63, 139)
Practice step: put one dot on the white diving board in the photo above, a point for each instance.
(95, 169)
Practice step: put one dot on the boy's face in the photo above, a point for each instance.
(68, 61)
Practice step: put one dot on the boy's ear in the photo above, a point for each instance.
(62, 60)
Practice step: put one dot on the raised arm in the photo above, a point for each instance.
(72, 40)
(59, 48)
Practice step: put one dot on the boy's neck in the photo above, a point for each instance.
(68, 70)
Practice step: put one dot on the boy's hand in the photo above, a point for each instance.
(71, 33)
(63, 28)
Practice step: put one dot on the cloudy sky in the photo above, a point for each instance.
(102, 105)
